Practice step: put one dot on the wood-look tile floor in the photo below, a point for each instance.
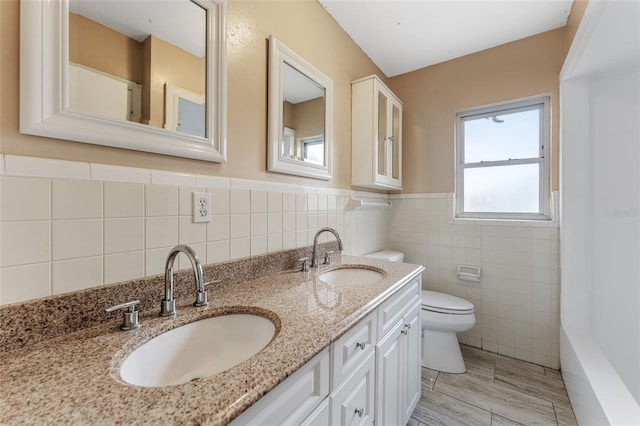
(496, 391)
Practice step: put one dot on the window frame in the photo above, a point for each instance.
(543, 104)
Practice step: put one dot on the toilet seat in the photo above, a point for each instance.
(434, 301)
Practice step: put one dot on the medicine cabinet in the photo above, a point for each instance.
(376, 135)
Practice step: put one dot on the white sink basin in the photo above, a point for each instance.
(351, 275)
(196, 350)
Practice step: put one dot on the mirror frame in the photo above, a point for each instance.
(44, 89)
(278, 55)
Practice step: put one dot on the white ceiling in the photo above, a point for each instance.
(297, 87)
(404, 35)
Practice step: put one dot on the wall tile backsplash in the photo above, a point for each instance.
(64, 231)
(516, 302)
(69, 226)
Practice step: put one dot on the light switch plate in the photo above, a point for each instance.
(201, 207)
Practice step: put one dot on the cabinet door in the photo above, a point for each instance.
(376, 135)
(382, 163)
(395, 143)
(353, 402)
(412, 342)
(389, 379)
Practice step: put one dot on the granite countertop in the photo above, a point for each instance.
(74, 379)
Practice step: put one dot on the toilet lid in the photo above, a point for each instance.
(441, 302)
(393, 256)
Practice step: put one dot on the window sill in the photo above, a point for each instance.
(548, 223)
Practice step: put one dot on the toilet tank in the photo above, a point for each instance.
(390, 255)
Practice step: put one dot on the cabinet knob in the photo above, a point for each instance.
(361, 345)
(359, 411)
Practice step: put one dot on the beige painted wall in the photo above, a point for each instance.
(168, 64)
(309, 118)
(302, 25)
(104, 49)
(575, 17)
(431, 96)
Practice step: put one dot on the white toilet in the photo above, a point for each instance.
(442, 317)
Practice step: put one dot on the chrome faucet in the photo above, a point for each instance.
(168, 304)
(314, 255)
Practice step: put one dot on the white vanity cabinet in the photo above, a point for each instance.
(353, 365)
(398, 371)
(398, 355)
(352, 403)
(376, 135)
(369, 375)
(291, 401)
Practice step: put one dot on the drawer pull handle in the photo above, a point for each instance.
(361, 345)
(359, 411)
(407, 326)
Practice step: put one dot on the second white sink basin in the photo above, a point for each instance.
(198, 349)
(351, 275)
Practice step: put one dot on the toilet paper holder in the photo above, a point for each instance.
(469, 273)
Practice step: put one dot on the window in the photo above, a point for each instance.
(313, 149)
(502, 167)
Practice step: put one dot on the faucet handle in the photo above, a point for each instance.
(327, 257)
(130, 319)
(305, 264)
(201, 299)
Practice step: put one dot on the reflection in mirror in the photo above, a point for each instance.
(124, 57)
(147, 75)
(303, 114)
(184, 111)
(300, 115)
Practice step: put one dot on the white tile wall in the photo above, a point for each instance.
(25, 242)
(76, 199)
(123, 235)
(67, 226)
(123, 200)
(24, 199)
(78, 238)
(517, 301)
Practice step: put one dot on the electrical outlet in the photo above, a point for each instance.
(201, 207)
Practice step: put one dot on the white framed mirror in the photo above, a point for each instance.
(300, 115)
(146, 75)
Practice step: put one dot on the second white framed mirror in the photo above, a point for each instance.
(300, 115)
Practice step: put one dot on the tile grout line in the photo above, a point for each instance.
(491, 410)
(555, 413)
(461, 400)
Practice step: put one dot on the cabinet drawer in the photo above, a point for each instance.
(353, 402)
(294, 399)
(391, 311)
(352, 348)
